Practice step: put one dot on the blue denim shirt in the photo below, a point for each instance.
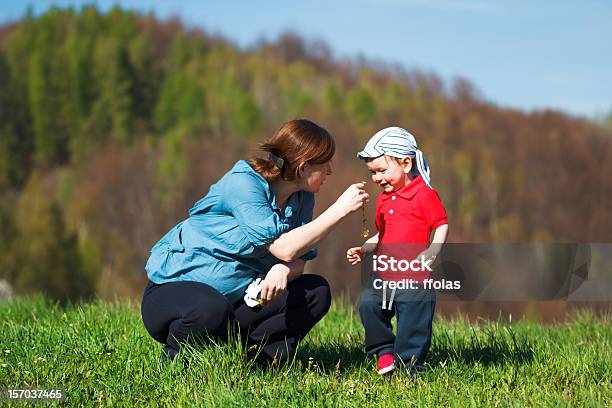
(223, 242)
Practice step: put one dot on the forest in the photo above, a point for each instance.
(112, 124)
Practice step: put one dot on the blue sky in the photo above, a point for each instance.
(521, 54)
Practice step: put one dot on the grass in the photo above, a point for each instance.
(101, 354)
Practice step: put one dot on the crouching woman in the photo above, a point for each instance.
(256, 221)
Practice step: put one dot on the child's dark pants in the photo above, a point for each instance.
(179, 311)
(414, 309)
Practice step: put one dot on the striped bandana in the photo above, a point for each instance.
(396, 142)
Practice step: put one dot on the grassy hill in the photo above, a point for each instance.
(101, 354)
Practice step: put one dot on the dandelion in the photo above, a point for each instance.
(71, 325)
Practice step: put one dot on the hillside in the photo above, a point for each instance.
(100, 354)
(113, 124)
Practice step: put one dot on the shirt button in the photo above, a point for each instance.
(391, 211)
(393, 197)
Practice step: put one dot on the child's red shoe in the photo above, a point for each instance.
(385, 364)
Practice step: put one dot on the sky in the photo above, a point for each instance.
(524, 54)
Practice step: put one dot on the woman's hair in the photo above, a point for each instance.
(295, 142)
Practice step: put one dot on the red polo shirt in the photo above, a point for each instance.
(405, 220)
(409, 214)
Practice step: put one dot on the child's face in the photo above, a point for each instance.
(389, 174)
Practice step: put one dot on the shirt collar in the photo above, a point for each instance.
(408, 191)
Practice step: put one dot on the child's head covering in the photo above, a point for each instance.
(396, 142)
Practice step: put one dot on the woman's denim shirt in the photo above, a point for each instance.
(223, 242)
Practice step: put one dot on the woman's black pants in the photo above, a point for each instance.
(179, 311)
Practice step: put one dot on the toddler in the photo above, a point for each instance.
(408, 211)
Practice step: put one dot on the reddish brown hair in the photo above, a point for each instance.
(297, 141)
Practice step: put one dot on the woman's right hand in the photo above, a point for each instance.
(353, 198)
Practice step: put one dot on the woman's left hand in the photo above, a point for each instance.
(275, 282)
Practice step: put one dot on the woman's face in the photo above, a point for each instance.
(388, 173)
(314, 176)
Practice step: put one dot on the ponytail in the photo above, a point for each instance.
(271, 167)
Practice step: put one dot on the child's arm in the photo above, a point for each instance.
(439, 238)
(353, 255)
(370, 244)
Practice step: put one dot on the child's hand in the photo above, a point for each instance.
(353, 255)
(428, 254)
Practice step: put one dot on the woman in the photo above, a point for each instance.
(255, 221)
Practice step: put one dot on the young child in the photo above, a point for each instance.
(408, 210)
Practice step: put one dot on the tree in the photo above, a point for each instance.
(15, 143)
(45, 256)
(360, 106)
(171, 169)
(181, 103)
(245, 115)
(48, 87)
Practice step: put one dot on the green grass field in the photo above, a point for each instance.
(101, 354)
